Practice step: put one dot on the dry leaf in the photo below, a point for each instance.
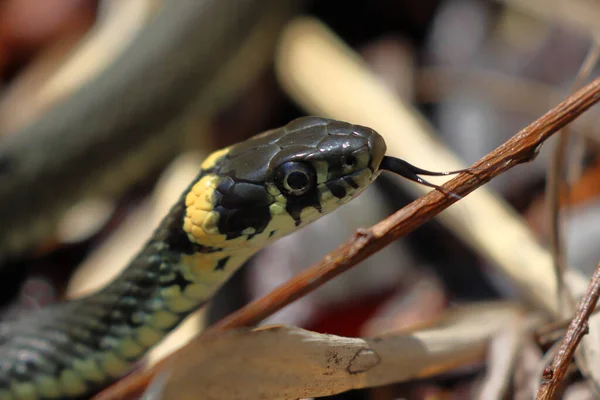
(289, 363)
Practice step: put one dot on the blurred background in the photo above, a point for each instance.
(477, 70)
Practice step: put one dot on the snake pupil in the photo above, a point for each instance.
(297, 180)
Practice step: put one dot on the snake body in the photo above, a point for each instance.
(123, 123)
(245, 197)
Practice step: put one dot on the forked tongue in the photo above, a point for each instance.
(412, 172)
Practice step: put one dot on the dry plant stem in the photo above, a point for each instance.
(520, 148)
(554, 374)
(556, 185)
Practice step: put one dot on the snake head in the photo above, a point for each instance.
(269, 185)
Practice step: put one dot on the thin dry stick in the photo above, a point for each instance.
(554, 374)
(521, 148)
(557, 185)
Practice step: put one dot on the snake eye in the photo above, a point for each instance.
(295, 178)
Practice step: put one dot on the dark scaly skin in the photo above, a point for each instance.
(77, 347)
(169, 70)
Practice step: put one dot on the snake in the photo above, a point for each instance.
(244, 198)
(187, 62)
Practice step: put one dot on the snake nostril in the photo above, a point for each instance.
(349, 161)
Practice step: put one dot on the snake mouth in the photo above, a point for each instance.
(412, 172)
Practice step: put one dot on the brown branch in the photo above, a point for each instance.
(554, 374)
(521, 148)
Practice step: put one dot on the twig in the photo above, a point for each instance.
(522, 147)
(554, 374)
